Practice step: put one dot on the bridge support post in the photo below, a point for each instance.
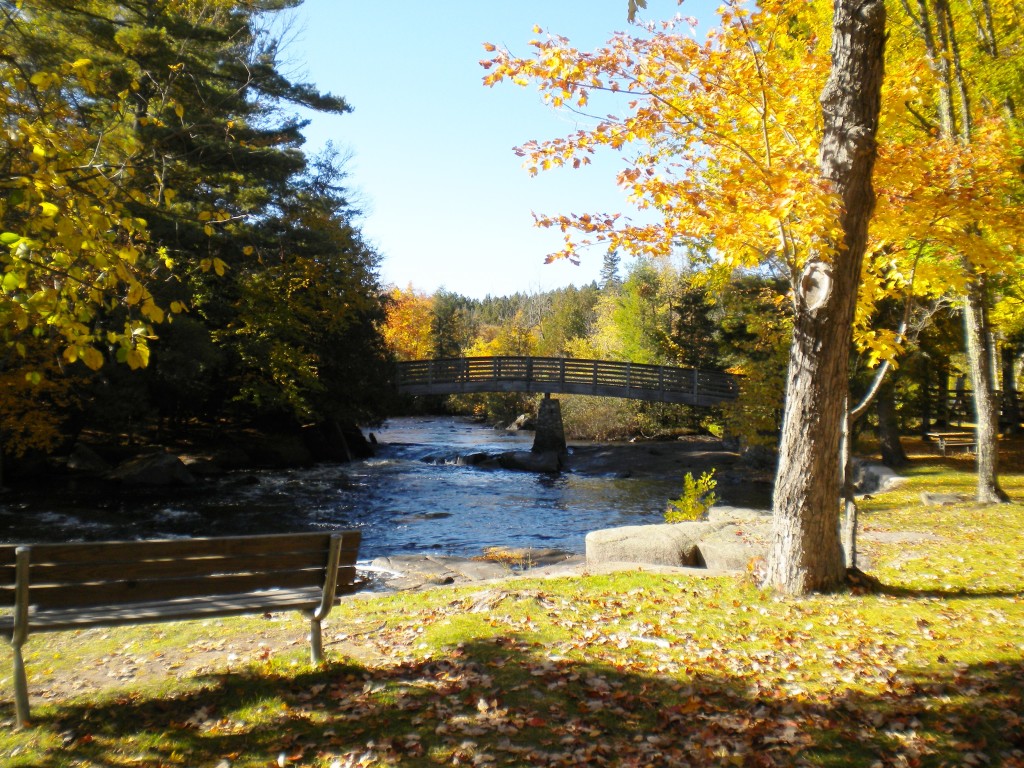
(550, 434)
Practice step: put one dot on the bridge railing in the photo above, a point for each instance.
(566, 375)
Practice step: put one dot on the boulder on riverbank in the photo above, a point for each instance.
(158, 469)
(665, 544)
(727, 541)
(528, 461)
(525, 422)
(84, 460)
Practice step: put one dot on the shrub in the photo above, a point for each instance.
(697, 498)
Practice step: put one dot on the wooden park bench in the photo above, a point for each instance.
(947, 440)
(57, 587)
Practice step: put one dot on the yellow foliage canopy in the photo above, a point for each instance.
(407, 331)
(722, 138)
(69, 251)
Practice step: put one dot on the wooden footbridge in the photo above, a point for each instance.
(548, 375)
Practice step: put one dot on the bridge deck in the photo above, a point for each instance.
(657, 383)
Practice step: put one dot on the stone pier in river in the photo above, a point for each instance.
(550, 434)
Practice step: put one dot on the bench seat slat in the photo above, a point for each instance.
(208, 606)
(346, 576)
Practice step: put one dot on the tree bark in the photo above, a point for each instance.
(926, 397)
(848, 532)
(806, 554)
(889, 444)
(986, 409)
(1011, 408)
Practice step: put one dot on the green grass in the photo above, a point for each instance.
(623, 669)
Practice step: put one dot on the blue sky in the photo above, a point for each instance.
(446, 201)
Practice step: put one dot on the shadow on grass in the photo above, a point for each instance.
(951, 595)
(504, 701)
(861, 583)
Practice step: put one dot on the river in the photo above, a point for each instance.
(412, 497)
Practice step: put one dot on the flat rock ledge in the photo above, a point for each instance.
(415, 572)
(727, 541)
(426, 571)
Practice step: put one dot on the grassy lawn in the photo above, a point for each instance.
(629, 669)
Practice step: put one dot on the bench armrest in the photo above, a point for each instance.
(21, 563)
(330, 579)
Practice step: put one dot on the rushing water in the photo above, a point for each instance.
(412, 497)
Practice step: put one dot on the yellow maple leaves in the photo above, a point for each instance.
(74, 252)
(720, 138)
(722, 147)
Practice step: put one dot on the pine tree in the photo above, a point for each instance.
(610, 271)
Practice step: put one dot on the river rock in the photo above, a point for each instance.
(732, 547)
(407, 572)
(85, 460)
(529, 557)
(665, 544)
(476, 570)
(217, 461)
(472, 459)
(523, 422)
(727, 541)
(158, 469)
(732, 515)
(279, 451)
(416, 567)
(528, 461)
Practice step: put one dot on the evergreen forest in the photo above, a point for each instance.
(172, 256)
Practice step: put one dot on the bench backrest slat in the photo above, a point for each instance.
(168, 548)
(97, 573)
(194, 567)
(128, 591)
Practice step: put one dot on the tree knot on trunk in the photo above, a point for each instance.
(816, 285)
(872, 12)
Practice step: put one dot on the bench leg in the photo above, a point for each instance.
(316, 641)
(21, 712)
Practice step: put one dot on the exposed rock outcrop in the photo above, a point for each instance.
(727, 541)
(665, 544)
(156, 469)
(85, 460)
(412, 572)
(523, 422)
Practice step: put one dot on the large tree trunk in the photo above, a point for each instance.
(1011, 408)
(889, 444)
(806, 554)
(986, 409)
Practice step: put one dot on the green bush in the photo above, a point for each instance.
(697, 498)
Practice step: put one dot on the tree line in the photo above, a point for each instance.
(653, 311)
(169, 251)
